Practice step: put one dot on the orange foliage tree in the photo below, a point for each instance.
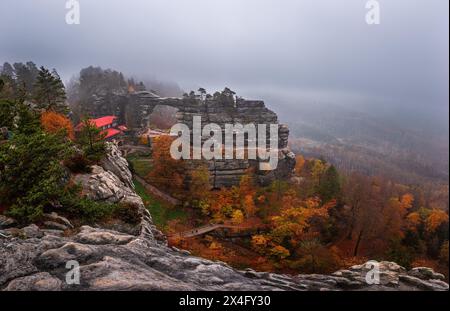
(167, 172)
(294, 220)
(247, 193)
(299, 164)
(236, 204)
(395, 220)
(435, 220)
(413, 221)
(53, 122)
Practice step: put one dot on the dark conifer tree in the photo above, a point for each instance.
(49, 91)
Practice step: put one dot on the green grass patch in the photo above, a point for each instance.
(141, 166)
(161, 213)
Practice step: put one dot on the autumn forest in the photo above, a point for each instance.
(316, 222)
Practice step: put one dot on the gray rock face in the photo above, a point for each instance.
(425, 273)
(6, 222)
(42, 281)
(32, 231)
(112, 260)
(135, 110)
(116, 164)
(104, 185)
(61, 221)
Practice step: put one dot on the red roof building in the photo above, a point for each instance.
(108, 125)
(105, 121)
(111, 132)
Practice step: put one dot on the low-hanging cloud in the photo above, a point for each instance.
(321, 47)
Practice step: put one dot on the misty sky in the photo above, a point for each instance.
(299, 50)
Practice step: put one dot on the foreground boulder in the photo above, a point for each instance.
(110, 260)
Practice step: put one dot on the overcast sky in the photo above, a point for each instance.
(318, 50)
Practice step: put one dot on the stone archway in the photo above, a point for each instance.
(163, 117)
(137, 109)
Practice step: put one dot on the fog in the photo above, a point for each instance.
(290, 53)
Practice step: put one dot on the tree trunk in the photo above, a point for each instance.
(350, 232)
(358, 241)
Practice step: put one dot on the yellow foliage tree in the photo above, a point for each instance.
(279, 252)
(413, 220)
(435, 219)
(237, 217)
(317, 170)
(293, 220)
(144, 140)
(199, 186)
(259, 243)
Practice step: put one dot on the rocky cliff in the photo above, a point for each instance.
(35, 258)
(135, 109)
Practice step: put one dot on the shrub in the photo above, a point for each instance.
(78, 163)
(443, 256)
(25, 213)
(90, 211)
(32, 177)
(91, 140)
(314, 257)
(128, 213)
(403, 255)
(278, 252)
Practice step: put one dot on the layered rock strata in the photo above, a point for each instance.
(135, 109)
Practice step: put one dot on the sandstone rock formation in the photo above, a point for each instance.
(118, 165)
(111, 260)
(103, 185)
(134, 109)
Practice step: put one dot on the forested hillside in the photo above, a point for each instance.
(327, 216)
(318, 221)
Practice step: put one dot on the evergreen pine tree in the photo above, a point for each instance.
(91, 139)
(329, 185)
(49, 91)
